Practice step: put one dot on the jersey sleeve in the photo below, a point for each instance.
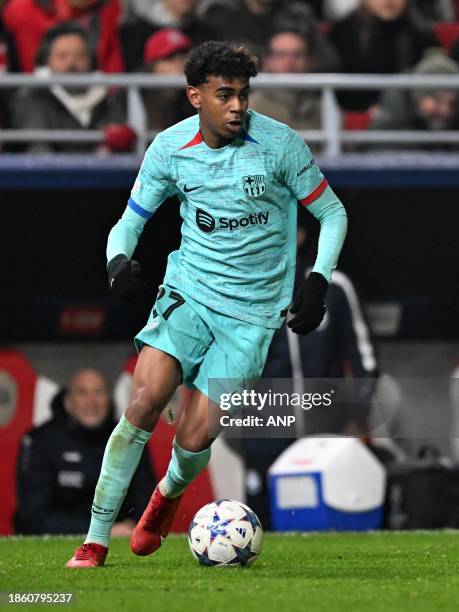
(299, 170)
(152, 186)
(311, 189)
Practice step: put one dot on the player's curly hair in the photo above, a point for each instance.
(215, 58)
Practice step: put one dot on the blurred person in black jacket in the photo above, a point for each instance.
(144, 18)
(291, 52)
(341, 346)
(59, 464)
(253, 22)
(379, 37)
(421, 109)
(65, 50)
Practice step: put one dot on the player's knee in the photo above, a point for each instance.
(146, 402)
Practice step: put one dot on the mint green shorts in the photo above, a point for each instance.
(218, 354)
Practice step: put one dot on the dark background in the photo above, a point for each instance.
(402, 246)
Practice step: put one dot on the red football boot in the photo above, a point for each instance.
(154, 523)
(88, 555)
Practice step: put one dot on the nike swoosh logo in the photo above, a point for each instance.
(188, 189)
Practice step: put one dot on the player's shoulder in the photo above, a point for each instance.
(277, 139)
(177, 136)
(263, 129)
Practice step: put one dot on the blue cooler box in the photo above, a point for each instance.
(321, 483)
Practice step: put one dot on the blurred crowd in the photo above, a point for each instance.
(48, 37)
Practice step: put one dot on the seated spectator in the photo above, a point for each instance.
(145, 17)
(427, 109)
(289, 52)
(65, 50)
(253, 22)
(165, 54)
(432, 10)
(379, 37)
(27, 21)
(59, 464)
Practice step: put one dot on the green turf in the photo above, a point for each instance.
(333, 572)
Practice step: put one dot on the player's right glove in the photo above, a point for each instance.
(126, 281)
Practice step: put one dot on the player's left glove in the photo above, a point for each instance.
(126, 281)
(309, 305)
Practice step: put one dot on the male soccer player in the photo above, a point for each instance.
(239, 176)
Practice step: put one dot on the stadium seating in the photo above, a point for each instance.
(24, 403)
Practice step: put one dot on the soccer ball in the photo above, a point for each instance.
(225, 532)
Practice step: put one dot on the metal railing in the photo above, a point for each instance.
(332, 135)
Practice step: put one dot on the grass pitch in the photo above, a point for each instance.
(333, 572)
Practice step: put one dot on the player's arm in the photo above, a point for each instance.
(313, 192)
(152, 186)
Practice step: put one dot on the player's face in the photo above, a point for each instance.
(87, 398)
(222, 105)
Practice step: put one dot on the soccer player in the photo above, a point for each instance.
(239, 176)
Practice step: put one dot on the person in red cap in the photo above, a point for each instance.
(164, 53)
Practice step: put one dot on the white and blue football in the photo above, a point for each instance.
(225, 532)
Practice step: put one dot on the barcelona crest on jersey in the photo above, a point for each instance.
(254, 186)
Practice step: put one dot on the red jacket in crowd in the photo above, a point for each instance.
(28, 20)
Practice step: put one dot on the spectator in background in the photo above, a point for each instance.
(427, 109)
(379, 37)
(253, 22)
(165, 54)
(289, 52)
(65, 50)
(432, 10)
(59, 463)
(341, 346)
(144, 18)
(27, 21)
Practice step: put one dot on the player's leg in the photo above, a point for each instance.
(155, 379)
(233, 362)
(190, 455)
(237, 357)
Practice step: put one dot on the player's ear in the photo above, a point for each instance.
(194, 96)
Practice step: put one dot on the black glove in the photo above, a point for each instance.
(309, 305)
(125, 280)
